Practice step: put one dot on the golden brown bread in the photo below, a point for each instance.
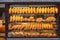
(51, 19)
(31, 18)
(39, 19)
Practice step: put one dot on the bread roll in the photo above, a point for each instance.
(51, 19)
(25, 19)
(39, 19)
(31, 18)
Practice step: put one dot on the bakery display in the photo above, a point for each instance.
(32, 21)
